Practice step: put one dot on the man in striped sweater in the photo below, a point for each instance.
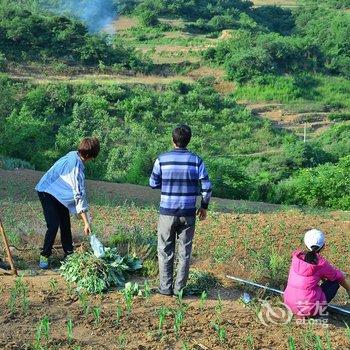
(181, 175)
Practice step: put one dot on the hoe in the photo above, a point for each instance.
(12, 270)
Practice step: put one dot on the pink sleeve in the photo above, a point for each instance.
(331, 273)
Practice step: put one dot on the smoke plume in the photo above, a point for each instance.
(96, 14)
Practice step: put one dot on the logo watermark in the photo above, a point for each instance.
(281, 314)
(274, 314)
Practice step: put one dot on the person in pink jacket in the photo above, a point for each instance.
(313, 282)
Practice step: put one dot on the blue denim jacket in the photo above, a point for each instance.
(65, 180)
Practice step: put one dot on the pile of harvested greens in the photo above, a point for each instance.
(97, 275)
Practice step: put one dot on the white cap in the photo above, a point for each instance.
(314, 237)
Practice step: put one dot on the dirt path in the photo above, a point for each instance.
(102, 79)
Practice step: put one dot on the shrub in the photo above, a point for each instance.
(339, 116)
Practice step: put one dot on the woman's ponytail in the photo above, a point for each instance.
(311, 256)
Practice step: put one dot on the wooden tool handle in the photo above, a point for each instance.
(7, 248)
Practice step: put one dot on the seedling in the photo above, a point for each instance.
(291, 343)
(203, 300)
(70, 330)
(37, 344)
(96, 311)
(84, 302)
(45, 327)
(180, 296)
(118, 314)
(222, 335)
(250, 341)
(121, 341)
(318, 345)
(185, 346)
(220, 332)
(12, 304)
(53, 283)
(19, 293)
(218, 309)
(128, 298)
(328, 341)
(347, 330)
(162, 313)
(179, 317)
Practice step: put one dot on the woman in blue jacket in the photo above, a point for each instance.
(62, 192)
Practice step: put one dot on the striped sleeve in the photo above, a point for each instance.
(206, 186)
(155, 180)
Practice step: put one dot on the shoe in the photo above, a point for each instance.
(182, 293)
(65, 257)
(44, 262)
(158, 291)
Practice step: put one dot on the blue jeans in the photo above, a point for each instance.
(330, 289)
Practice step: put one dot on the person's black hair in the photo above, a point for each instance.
(182, 135)
(311, 256)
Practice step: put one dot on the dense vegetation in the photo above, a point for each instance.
(300, 57)
(317, 43)
(28, 35)
(134, 125)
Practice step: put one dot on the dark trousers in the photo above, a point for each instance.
(330, 289)
(56, 216)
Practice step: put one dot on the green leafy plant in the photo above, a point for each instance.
(200, 281)
(97, 275)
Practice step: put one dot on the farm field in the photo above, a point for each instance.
(283, 3)
(253, 246)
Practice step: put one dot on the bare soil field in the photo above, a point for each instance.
(314, 122)
(239, 243)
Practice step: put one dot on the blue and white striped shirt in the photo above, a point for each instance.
(181, 175)
(65, 180)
